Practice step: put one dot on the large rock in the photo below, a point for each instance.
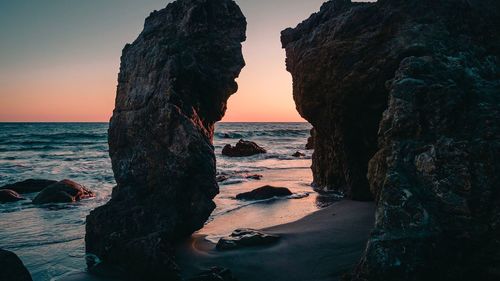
(265, 192)
(29, 186)
(7, 196)
(404, 97)
(173, 86)
(12, 268)
(242, 149)
(65, 191)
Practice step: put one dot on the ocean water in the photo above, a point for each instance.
(49, 239)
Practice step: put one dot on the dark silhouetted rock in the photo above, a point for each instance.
(254, 177)
(264, 192)
(7, 195)
(214, 274)
(242, 149)
(298, 154)
(65, 191)
(404, 97)
(222, 178)
(310, 141)
(244, 237)
(29, 186)
(12, 268)
(174, 82)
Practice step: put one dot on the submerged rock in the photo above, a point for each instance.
(12, 268)
(29, 186)
(298, 154)
(7, 196)
(65, 191)
(246, 237)
(221, 178)
(254, 177)
(214, 274)
(264, 192)
(405, 102)
(173, 86)
(242, 149)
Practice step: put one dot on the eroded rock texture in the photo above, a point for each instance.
(173, 86)
(404, 97)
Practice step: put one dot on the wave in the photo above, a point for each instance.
(261, 133)
(59, 136)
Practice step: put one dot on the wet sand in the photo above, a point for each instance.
(321, 246)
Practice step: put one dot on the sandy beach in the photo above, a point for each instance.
(321, 246)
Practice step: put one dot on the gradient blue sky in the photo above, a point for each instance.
(59, 58)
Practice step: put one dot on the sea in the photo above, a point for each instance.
(50, 238)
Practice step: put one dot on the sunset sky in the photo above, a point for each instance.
(59, 59)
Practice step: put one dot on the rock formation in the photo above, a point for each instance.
(29, 186)
(245, 237)
(264, 192)
(404, 97)
(242, 149)
(65, 191)
(173, 86)
(7, 196)
(12, 268)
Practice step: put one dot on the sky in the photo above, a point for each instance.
(59, 59)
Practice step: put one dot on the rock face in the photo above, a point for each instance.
(12, 268)
(65, 191)
(174, 83)
(243, 149)
(264, 192)
(244, 237)
(7, 196)
(29, 186)
(404, 97)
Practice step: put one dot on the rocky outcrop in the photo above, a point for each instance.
(265, 192)
(65, 191)
(242, 149)
(245, 237)
(7, 196)
(404, 97)
(173, 86)
(29, 186)
(12, 268)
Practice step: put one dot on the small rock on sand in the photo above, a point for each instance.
(246, 237)
(264, 192)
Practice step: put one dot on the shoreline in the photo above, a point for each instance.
(321, 246)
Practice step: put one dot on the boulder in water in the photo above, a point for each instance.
(65, 191)
(246, 237)
(242, 149)
(12, 268)
(254, 177)
(29, 186)
(7, 196)
(298, 154)
(265, 192)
